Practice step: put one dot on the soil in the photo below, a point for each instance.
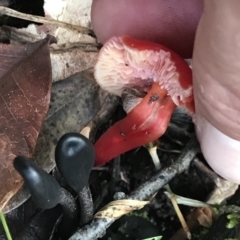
(124, 174)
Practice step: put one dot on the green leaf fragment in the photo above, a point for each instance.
(154, 238)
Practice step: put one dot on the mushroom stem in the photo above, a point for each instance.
(86, 205)
(47, 193)
(44, 222)
(74, 155)
(70, 218)
(145, 123)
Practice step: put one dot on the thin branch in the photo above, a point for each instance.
(97, 228)
(12, 13)
(20, 36)
(162, 177)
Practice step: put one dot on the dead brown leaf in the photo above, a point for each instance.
(205, 216)
(25, 85)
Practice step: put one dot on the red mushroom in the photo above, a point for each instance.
(125, 62)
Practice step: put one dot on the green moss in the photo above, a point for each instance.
(234, 220)
(200, 234)
(139, 214)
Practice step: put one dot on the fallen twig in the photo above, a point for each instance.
(12, 13)
(97, 228)
(23, 37)
(162, 177)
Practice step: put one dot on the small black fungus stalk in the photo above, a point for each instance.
(46, 194)
(75, 157)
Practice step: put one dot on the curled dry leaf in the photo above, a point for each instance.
(25, 80)
(205, 216)
(118, 208)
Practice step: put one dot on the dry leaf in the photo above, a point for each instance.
(74, 12)
(205, 216)
(116, 209)
(64, 63)
(25, 73)
(68, 63)
(78, 99)
(75, 102)
(86, 130)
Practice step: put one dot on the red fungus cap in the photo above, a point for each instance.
(125, 62)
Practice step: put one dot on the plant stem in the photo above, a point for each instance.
(178, 212)
(5, 226)
(152, 149)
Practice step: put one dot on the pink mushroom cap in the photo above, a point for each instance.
(125, 62)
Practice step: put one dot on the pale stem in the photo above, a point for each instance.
(187, 201)
(153, 152)
(152, 149)
(178, 212)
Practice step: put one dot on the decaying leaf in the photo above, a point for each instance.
(118, 208)
(69, 60)
(75, 102)
(25, 79)
(68, 63)
(205, 216)
(64, 64)
(74, 12)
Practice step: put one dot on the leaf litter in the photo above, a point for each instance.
(25, 96)
(75, 100)
(69, 110)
